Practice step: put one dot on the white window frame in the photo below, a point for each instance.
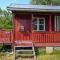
(39, 24)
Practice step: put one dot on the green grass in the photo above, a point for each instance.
(1, 47)
(40, 53)
(43, 56)
(48, 57)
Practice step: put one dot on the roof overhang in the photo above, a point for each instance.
(32, 8)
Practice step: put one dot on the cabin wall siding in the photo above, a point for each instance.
(28, 34)
(24, 20)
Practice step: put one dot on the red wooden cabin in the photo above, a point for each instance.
(37, 23)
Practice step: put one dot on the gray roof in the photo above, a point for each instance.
(33, 8)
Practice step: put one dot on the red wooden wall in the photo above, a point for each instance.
(25, 20)
(49, 36)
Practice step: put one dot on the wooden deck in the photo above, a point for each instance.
(39, 38)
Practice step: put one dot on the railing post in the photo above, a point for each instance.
(10, 36)
(50, 23)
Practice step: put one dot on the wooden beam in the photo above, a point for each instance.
(47, 44)
(50, 23)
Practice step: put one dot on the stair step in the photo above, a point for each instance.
(23, 50)
(23, 41)
(20, 55)
(23, 46)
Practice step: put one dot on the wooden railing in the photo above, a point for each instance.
(46, 37)
(38, 37)
(6, 36)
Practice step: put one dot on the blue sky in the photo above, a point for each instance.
(5, 3)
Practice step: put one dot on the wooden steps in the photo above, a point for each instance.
(25, 51)
(25, 55)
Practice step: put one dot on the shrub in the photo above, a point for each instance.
(1, 47)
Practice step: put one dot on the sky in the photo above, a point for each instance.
(5, 3)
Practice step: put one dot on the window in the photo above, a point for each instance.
(38, 24)
(57, 23)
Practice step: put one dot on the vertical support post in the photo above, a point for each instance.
(49, 49)
(33, 50)
(31, 22)
(50, 23)
(14, 54)
(32, 26)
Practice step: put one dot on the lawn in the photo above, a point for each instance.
(48, 57)
(53, 56)
(6, 56)
(41, 55)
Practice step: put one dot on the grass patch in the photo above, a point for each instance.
(41, 54)
(48, 57)
(1, 47)
(40, 51)
(6, 56)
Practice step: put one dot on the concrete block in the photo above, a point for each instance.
(49, 49)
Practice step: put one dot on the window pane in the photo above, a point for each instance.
(41, 21)
(34, 27)
(58, 25)
(41, 27)
(34, 21)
